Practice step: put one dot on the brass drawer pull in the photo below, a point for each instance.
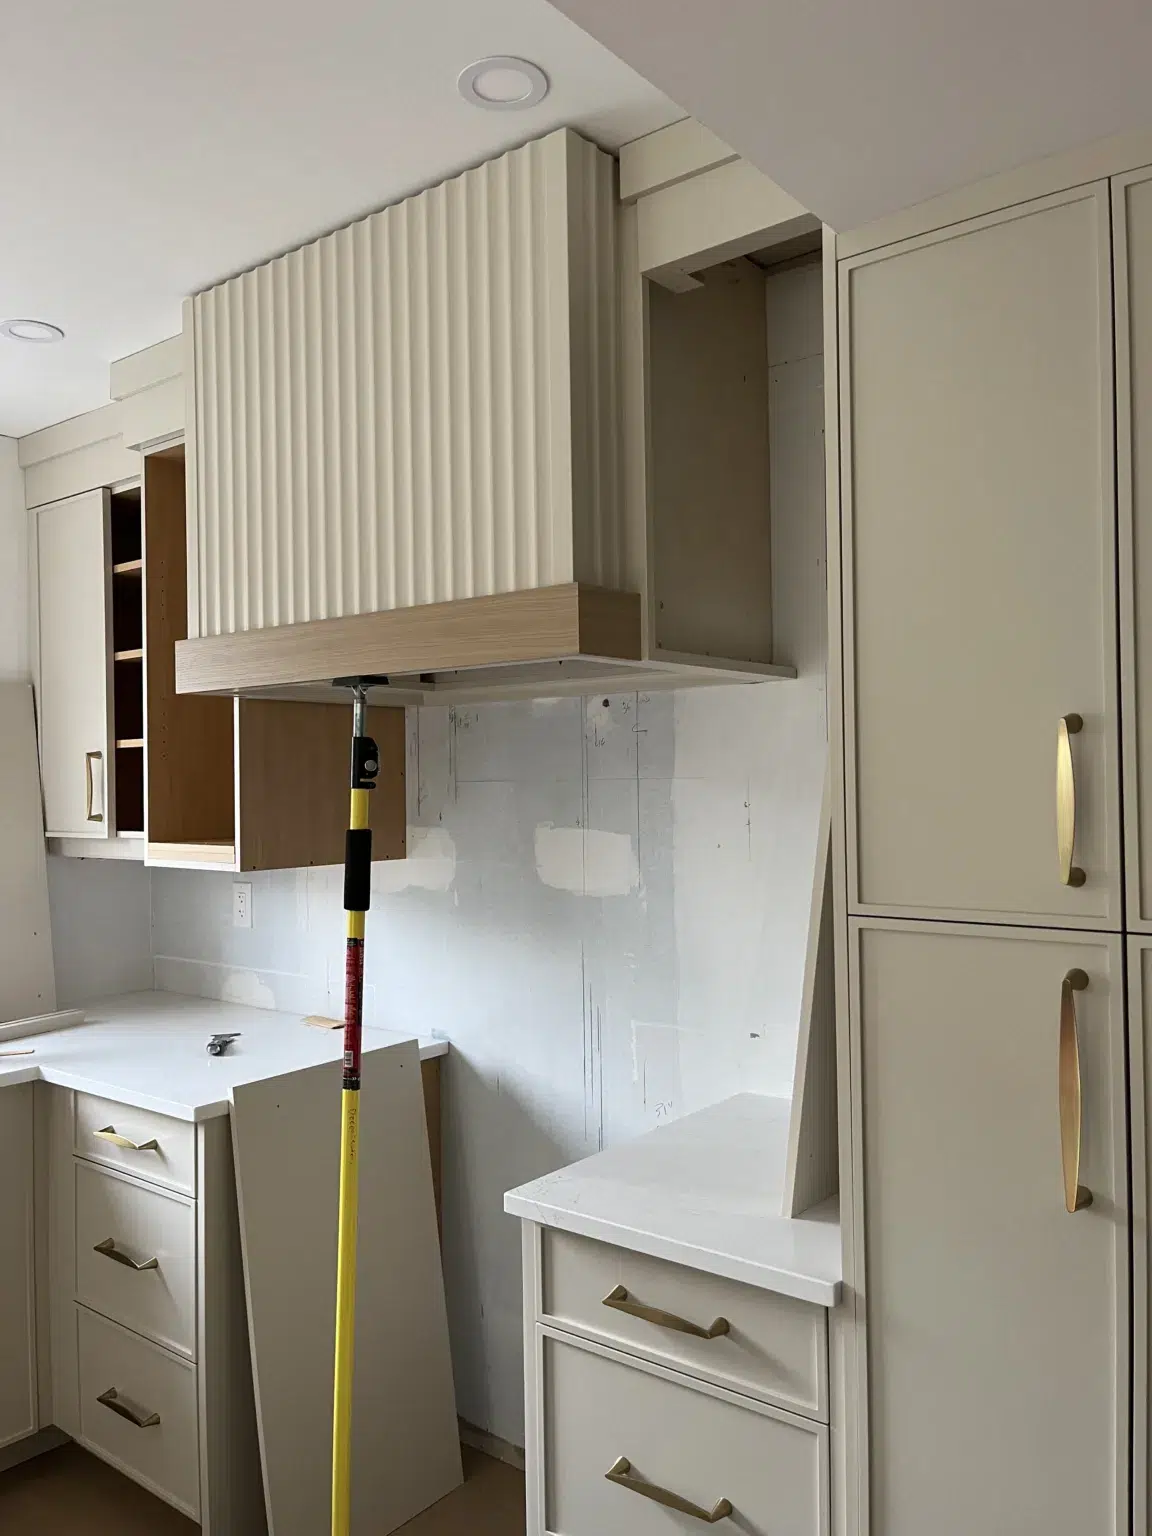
(89, 759)
(1070, 725)
(109, 1133)
(1076, 1197)
(111, 1399)
(620, 1473)
(620, 1300)
(110, 1251)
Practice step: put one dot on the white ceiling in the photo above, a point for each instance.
(149, 148)
(860, 107)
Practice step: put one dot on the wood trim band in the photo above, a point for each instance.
(538, 624)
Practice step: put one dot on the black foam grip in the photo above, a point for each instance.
(358, 869)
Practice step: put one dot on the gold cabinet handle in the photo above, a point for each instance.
(620, 1300)
(110, 1133)
(620, 1472)
(110, 1251)
(111, 1399)
(1076, 1197)
(89, 759)
(1070, 725)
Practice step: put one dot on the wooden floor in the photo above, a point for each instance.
(70, 1493)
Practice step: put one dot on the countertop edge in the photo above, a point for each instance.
(765, 1277)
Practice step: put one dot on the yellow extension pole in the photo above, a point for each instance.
(357, 885)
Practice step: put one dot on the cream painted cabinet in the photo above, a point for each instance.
(73, 698)
(1132, 233)
(996, 1321)
(978, 507)
(1140, 1045)
(19, 1412)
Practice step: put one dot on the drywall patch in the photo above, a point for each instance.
(590, 863)
(247, 988)
(430, 865)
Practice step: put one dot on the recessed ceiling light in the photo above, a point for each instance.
(30, 330)
(503, 84)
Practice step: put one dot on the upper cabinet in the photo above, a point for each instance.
(980, 619)
(414, 443)
(1132, 231)
(74, 697)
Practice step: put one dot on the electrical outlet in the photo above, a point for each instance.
(241, 904)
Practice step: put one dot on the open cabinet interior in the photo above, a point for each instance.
(243, 783)
(710, 404)
(127, 618)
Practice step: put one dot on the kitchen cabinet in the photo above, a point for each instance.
(1132, 233)
(996, 1318)
(19, 1406)
(74, 696)
(979, 616)
(132, 769)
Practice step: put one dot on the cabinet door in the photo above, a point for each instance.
(1140, 1045)
(1132, 231)
(18, 1410)
(73, 585)
(980, 567)
(997, 1322)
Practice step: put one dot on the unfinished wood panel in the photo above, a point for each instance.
(18, 1374)
(526, 626)
(405, 1451)
(998, 1351)
(708, 399)
(27, 982)
(191, 794)
(813, 1143)
(292, 767)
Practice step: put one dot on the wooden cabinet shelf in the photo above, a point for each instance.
(128, 568)
(129, 741)
(136, 654)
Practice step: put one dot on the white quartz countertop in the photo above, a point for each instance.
(147, 1049)
(704, 1191)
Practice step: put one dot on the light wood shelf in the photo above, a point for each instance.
(134, 655)
(128, 568)
(129, 741)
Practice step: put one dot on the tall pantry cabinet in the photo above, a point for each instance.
(990, 377)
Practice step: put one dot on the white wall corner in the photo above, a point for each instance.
(14, 661)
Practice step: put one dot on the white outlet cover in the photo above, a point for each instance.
(241, 904)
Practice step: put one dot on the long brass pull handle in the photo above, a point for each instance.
(110, 1251)
(620, 1472)
(1076, 1197)
(620, 1300)
(109, 1133)
(1070, 725)
(89, 759)
(111, 1399)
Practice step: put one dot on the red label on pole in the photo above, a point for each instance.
(353, 1010)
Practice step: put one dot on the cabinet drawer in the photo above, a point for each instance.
(171, 1161)
(139, 1225)
(774, 1347)
(700, 1445)
(139, 1381)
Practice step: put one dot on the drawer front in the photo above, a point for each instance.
(774, 1347)
(139, 1225)
(160, 1149)
(147, 1384)
(604, 1413)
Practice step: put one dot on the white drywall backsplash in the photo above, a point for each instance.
(604, 909)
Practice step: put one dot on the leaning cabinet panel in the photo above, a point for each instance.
(980, 666)
(997, 1320)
